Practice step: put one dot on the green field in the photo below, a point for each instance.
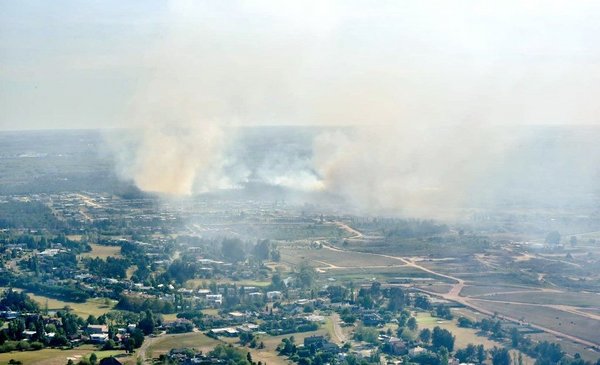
(163, 344)
(56, 356)
(94, 306)
(385, 274)
(464, 336)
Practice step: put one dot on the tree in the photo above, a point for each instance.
(422, 301)
(468, 354)
(481, 354)
(500, 356)
(306, 275)
(91, 320)
(375, 289)
(262, 249)
(232, 249)
(147, 324)
(442, 338)
(277, 282)
(515, 337)
(465, 322)
(397, 299)
(412, 324)
(138, 338)
(93, 358)
(553, 238)
(425, 335)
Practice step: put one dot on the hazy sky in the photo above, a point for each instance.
(89, 64)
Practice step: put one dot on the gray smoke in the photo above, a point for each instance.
(435, 97)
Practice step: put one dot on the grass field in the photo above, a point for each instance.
(385, 273)
(464, 336)
(195, 340)
(56, 356)
(102, 251)
(94, 306)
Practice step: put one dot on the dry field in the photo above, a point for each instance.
(551, 318)
(102, 251)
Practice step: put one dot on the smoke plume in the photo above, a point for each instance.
(435, 99)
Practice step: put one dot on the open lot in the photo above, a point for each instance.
(471, 290)
(102, 251)
(567, 298)
(554, 319)
(325, 257)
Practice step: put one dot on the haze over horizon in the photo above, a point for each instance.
(436, 93)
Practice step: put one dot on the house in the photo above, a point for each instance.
(248, 328)
(372, 319)
(214, 299)
(330, 348)
(396, 346)
(416, 350)
(317, 341)
(274, 295)
(99, 337)
(29, 334)
(227, 331)
(255, 296)
(97, 328)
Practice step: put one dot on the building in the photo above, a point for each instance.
(96, 328)
(214, 299)
(274, 295)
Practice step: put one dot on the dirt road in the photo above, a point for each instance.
(454, 295)
(338, 333)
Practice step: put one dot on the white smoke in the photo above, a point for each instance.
(429, 90)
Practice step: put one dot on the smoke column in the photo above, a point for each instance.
(435, 95)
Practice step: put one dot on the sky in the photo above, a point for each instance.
(109, 64)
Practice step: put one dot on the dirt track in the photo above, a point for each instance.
(454, 295)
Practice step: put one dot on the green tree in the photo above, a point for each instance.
(306, 275)
(147, 324)
(412, 324)
(500, 356)
(425, 335)
(441, 337)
